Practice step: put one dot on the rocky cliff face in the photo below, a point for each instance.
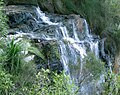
(25, 19)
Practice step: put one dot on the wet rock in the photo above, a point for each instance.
(70, 21)
(26, 19)
(50, 50)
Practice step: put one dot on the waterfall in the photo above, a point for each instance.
(73, 50)
(42, 16)
(73, 44)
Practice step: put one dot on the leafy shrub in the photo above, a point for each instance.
(52, 84)
(6, 83)
(111, 85)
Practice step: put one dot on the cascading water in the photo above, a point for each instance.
(73, 44)
(42, 16)
(73, 50)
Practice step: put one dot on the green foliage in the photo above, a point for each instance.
(13, 54)
(36, 52)
(12, 59)
(26, 82)
(94, 65)
(118, 83)
(50, 83)
(112, 21)
(6, 83)
(91, 10)
(69, 5)
(111, 85)
(13, 62)
(115, 36)
(3, 20)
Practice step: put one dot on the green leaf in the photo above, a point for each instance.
(36, 51)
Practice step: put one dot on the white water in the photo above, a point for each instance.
(93, 45)
(44, 18)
